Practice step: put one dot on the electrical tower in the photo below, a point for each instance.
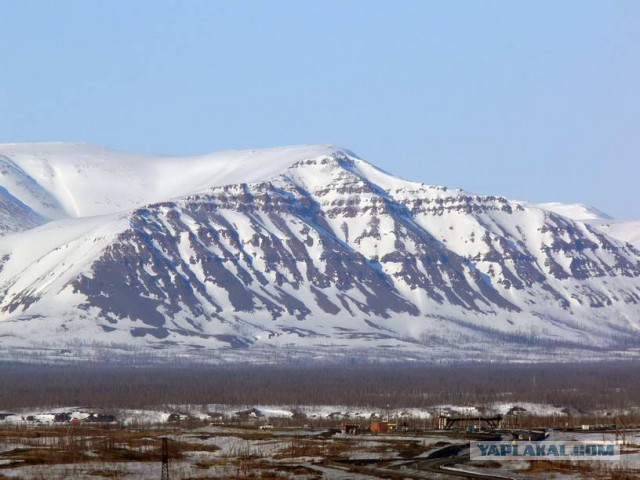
(165, 460)
(621, 431)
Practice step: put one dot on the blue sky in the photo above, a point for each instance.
(534, 100)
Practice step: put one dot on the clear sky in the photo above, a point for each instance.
(535, 100)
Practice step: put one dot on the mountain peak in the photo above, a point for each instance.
(59, 180)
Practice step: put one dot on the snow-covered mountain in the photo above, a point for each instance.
(304, 251)
(576, 211)
(622, 229)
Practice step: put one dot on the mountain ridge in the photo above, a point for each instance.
(68, 176)
(329, 254)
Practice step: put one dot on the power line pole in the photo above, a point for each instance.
(621, 431)
(165, 459)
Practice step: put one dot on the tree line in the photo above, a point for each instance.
(583, 386)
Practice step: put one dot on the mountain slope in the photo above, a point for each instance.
(621, 229)
(576, 211)
(625, 230)
(311, 249)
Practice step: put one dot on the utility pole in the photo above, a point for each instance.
(165, 459)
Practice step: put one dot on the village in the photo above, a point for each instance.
(224, 441)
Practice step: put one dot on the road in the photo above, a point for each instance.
(438, 465)
(437, 462)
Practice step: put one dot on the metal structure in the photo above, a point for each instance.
(165, 459)
(447, 422)
(621, 431)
